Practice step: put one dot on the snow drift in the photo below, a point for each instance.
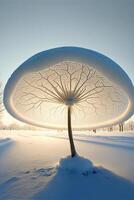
(77, 164)
(5, 141)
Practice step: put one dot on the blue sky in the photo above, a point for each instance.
(31, 26)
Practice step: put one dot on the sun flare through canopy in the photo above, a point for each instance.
(42, 88)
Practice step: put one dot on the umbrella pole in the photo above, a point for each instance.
(72, 147)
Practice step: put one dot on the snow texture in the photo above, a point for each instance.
(5, 141)
(76, 164)
(28, 168)
(97, 186)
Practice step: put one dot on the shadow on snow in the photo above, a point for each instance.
(101, 184)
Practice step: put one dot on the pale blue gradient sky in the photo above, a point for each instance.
(30, 26)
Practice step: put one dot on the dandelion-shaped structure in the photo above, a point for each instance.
(70, 87)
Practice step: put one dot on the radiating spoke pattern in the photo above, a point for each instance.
(43, 96)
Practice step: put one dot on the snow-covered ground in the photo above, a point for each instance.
(4, 141)
(28, 166)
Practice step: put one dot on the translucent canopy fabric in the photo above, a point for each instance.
(99, 92)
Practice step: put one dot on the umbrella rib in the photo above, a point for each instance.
(87, 78)
(52, 94)
(55, 89)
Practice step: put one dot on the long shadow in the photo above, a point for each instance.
(100, 185)
(107, 144)
(122, 139)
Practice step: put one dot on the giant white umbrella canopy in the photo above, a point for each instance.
(69, 81)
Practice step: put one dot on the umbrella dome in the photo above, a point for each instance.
(98, 90)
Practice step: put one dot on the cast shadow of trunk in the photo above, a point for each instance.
(97, 185)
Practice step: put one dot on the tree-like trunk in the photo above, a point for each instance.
(121, 127)
(72, 147)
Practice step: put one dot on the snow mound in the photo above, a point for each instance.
(76, 164)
